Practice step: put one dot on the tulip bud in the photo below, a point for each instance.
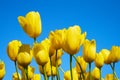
(114, 54)
(15, 76)
(36, 77)
(99, 60)
(2, 70)
(31, 24)
(13, 48)
(96, 73)
(40, 54)
(67, 75)
(105, 54)
(82, 63)
(89, 50)
(24, 57)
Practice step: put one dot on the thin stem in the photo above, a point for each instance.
(45, 76)
(56, 65)
(51, 68)
(58, 75)
(100, 74)
(114, 72)
(80, 67)
(26, 72)
(35, 40)
(61, 69)
(71, 67)
(16, 70)
(90, 71)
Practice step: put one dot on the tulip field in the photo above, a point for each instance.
(48, 54)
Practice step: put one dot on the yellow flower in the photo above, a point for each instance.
(13, 48)
(15, 76)
(31, 24)
(109, 77)
(36, 77)
(114, 54)
(99, 60)
(57, 38)
(24, 57)
(89, 50)
(2, 70)
(105, 54)
(96, 73)
(67, 75)
(82, 63)
(73, 40)
(40, 54)
(30, 72)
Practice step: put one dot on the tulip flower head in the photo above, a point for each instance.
(40, 53)
(57, 38)
(68, 77)
(96, 73)
(82, 63)
(106, 54)
(73, 40)
(36, 77)
(24, 56)
(31, 24)
(2, 70)
(13, 48)
(89, 50)
(15, 76)
(99, 60)
(114, 54)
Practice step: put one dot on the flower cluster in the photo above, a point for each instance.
(49, 51)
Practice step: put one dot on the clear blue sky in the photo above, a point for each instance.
(100, 18)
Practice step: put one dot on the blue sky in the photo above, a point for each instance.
(99, 18)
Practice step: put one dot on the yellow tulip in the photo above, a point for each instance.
(36, 77)
(15, 76)
(96, 73)
(106, 54)
(2, 70)
(57, 38)
(89, 50)
(30, 72)
(13, 48)
(40, 54)
(109, 77)
(31, 24)
(99, 60)
(24, 57)
(82, 63)
(73, 40)
(114, 54)
(68, 77)
(46, 67)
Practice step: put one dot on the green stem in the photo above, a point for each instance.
(80, 67)
(51, 68)
(61, 69)
(35, 40)
(45, 76)
(114, 72)
(26, 72)
(16, 70)
(71, 67)
(56, 66)
(90, 71)
(100, 74)
(58, 75)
